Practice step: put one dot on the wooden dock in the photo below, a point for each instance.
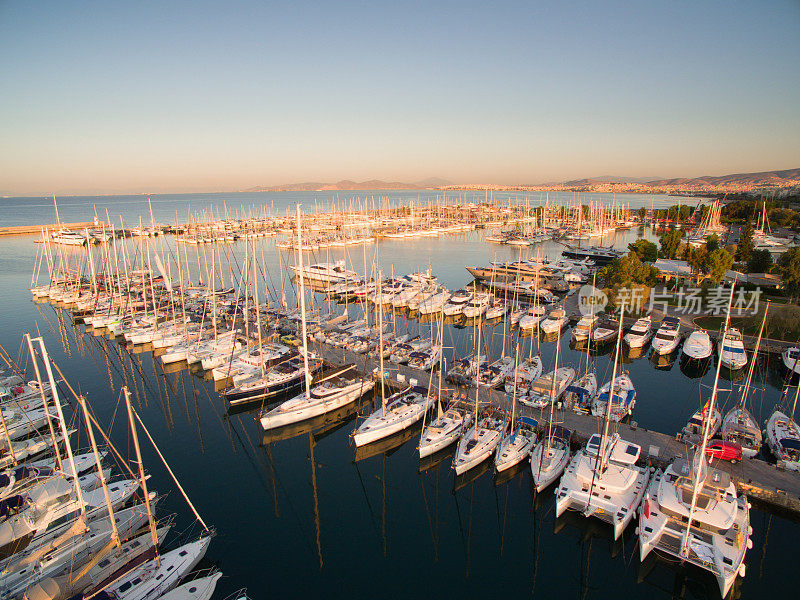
(771, 488)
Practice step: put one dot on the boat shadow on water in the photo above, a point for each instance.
(694, 369)
(433, 461)
(321, 426)
(594, 529)
(681, 580)
(388, 445)
(663, 362)
(471, 476)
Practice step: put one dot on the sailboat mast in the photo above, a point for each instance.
(379, 308)
(106, 495)
(143, 480)
(303, 305)
(748, 381)
(702, 449)
(604, 441)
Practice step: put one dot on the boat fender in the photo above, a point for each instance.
(749, 547)
(749, 530)
(742, 570)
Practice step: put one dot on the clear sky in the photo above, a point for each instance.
(107, 96)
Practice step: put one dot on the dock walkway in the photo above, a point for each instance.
(771, 487)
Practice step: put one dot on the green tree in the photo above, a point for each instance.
(717, 263)
(789, 266)
(760, 262)
(712, 242)
(745, 246)
(642, 214)
(629, 273)
(670, 242)
(646, 251)
(627, 270)
(697, 258)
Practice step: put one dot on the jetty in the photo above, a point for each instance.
(772, 488)
(37, 229)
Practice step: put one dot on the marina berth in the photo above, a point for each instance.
(244, 366)
(731, 350)
(791, 360)
(698, 346)
(705, 499)
(478, 443)
(603, 481)
(399, 411)
(667, 337)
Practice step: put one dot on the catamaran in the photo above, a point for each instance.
(692, 512)
(603, 480)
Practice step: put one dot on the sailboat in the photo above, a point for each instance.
(329, 392)
(581, 394)
(518, 442)
(739, 425)
(480, 440)
(550, 456)
(448, 425)
(783, 434)
(692, 512)
(399, 411)
(603, 480)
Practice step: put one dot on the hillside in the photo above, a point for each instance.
(347, 184)
(764, 178)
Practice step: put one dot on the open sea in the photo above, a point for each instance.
(295, 514)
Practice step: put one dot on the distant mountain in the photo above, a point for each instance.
(764, 178)
(347, 184)
(610, 179)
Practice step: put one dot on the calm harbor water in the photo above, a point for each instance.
(298, 516)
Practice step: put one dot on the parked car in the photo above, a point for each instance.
(724, 450)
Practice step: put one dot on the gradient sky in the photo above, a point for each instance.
(103, 97)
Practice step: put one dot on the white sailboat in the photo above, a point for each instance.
(330, 392)
(783, 434)
(739, 425)
(516, 445)
(479, 441)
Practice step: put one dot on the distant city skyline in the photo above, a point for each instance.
(199, 96)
